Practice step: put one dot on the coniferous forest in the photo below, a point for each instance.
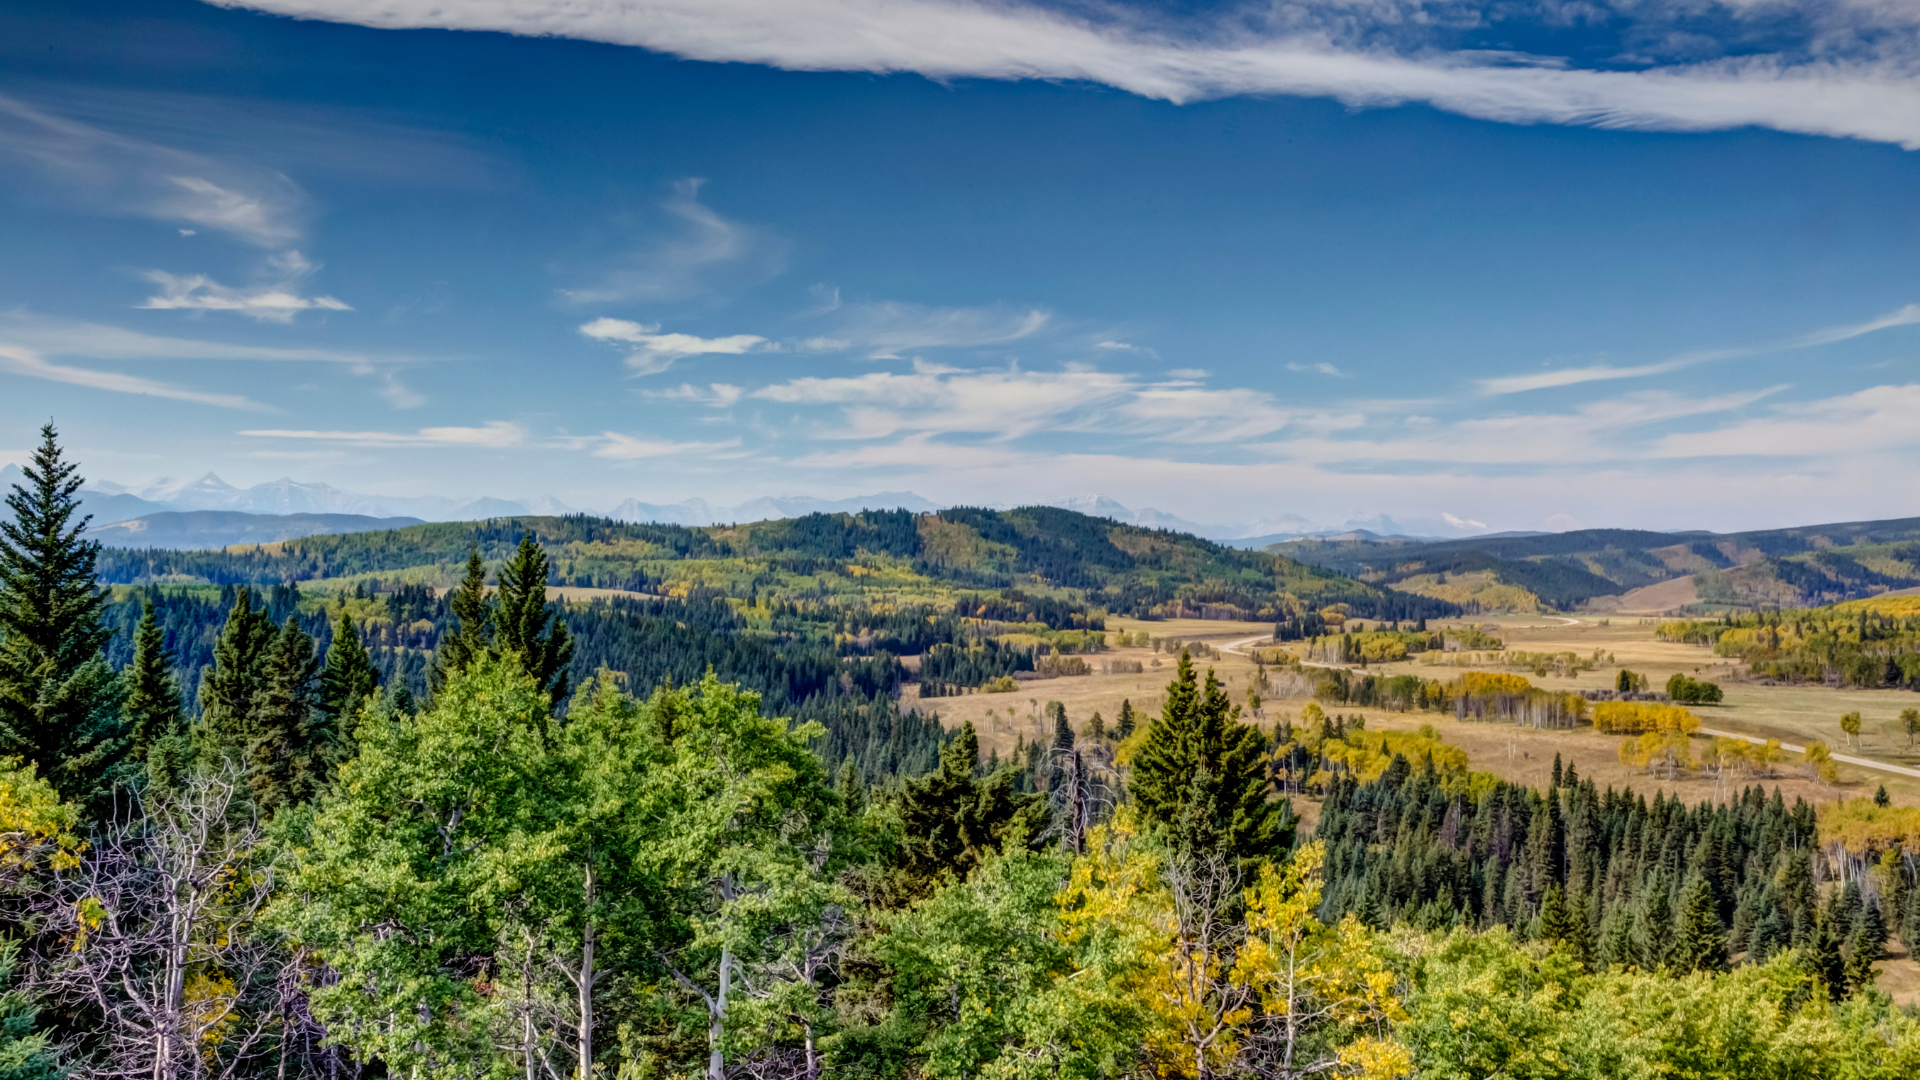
(253, 830)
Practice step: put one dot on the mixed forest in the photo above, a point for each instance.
(290, 812)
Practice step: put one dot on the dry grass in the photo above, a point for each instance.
(1791, 713)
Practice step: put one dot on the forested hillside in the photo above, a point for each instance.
(1097, 563)
(481, 833)
(1796, 567)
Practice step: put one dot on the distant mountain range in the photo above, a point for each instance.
(306, 509)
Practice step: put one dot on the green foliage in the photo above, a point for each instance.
(1688, 691)
(155, 720)
(1484, 1006)
(60, 704)
(525, 626)
(26, 1051)
(1203, 775)
(952, 818)
(348, 680)
(471, 636)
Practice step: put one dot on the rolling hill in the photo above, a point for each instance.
(199, 529)
(1806, 565)
(937, 558)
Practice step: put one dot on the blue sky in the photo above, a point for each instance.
(1531, 266)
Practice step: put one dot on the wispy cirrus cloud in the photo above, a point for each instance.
(654, 352)
(885, 330)
(1543, 380)
(115, 173)
(34, 366)
(492, 435)
(612, 444)
(707, 253)
(1012, 402)
(1875, 419)
(279, 300)
(99, 341)
(1847, 69)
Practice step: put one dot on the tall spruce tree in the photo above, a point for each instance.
(1701, 943)
(59, 701)
(286, 761)
(347, 682)
(229, 688)
(1124, 724)
(526, 626)
(953, 818)
(1198, 736)
(471, 636)
(156, 721)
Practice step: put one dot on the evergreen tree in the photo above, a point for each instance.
(1199, 733)
(1823, 959)
(1556, 922)
(1766, 937)
(1096, 727)
(1124, 724)
(26, 1053)
(471, 637)
(1653, 926)
(952, 818)
(1701, 944)
(59, 701)
(1062, 730)
(347, 682)
(286, 762)
(155, 720)
(526, 627)
(229, 688)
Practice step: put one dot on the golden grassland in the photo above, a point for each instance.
(1793, 714)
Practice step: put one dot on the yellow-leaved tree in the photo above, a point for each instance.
(1325, 992)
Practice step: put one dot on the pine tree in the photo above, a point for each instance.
(1701, 944)
(347, 682)
(526, 626)
(1062, 730)
(228, 688)
(26, 1053)
(1556, 922)
(286, 763)
(1822, 958)
(156, 722)
(1096, 727)
(1653, 928)
(953, 818)
(1124, 724)
(59, 701)
(471, 636)
(1199, 733)
(1766, 937)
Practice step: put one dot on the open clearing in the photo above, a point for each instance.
(1793, 714)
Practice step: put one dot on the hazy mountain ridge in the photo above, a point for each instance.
(1790, 567)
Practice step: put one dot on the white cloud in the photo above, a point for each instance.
(1543, 380)
(493, 435)
(1112, 345)
(107, 171)
(1879, 418)
(887, 329)
(1008, 403)
(655, 352)
(31, 364)
(1826, 82)
(629, 447)
(709, 254)
(1322, 368)
(275, 302)
(716, 395)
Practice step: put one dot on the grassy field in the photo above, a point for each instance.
(1794, 714)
